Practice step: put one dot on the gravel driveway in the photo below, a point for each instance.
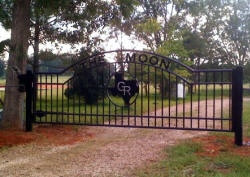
(112, 152)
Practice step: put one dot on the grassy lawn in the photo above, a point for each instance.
(144, 105)
(2, 81)
(212, 155)
(76, 105)
(61, 78)
(53, 78)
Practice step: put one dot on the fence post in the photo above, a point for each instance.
(29, 94)
(237, 99)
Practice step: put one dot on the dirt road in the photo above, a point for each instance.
(112, 152)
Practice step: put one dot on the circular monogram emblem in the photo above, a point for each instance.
(123, 89)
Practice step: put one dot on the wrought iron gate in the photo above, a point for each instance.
(137, 89)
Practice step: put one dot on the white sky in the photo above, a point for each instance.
(4, 35)
(108, 44)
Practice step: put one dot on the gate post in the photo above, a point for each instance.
(237, 98)
(29, 94)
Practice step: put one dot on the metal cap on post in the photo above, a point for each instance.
(237, 104)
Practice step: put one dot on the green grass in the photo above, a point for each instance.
(53, 78)
(246, 85)
(182, 159)
(60, 103)
(2, 81)
(246, 118)
(77, 105)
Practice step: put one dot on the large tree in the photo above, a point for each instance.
(20, 32)
(67, 21)
(63, 21)
(224, 27)
(159, 24)
(70, 21)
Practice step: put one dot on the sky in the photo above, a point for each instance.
(4, 35)
(108, 44)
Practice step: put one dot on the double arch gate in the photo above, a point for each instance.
(129, 88)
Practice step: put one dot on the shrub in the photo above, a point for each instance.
(89, 81)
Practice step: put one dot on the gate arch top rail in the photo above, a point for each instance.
(167, 59)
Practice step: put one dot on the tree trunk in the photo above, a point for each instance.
(14, 100)
(146, 89)
(164, 89)
(36, 51)
(120, 62)
(36, 46)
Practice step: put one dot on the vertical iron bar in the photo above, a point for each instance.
(169, 97)
(79, 109)
(162, 90)
(62, 103)
(176, 101)
(109, 99)
(79, 102)
(73, 110)
(222, 100)
(85, 111)
(103, 92)
(115, 113)
(141, 95)
(191, 107)
(155, 96)
(41, 85)
(51, 100)
(148, 96)
(214, 100)
(46, 97)
(68, 102)
(128, 105)
(128, 115)
(184, 97)
(206, 97)
(122, 116)
(29, 94)
(199, 92)
(237, 94)
(115, 105)
(97, 85)
(34, 95)
(230, 101)
(135, 100)
(57, 97)
(91, 112)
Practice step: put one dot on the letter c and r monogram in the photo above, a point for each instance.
(122, 87)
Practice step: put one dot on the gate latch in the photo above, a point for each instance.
(40, 113)
(22, 81)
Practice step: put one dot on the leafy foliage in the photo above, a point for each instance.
(88, 81)
(247, 73)
(2, 68)
(224, 26)
(63, 21)
(4, 46)
(159, 25)
(5, 13)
